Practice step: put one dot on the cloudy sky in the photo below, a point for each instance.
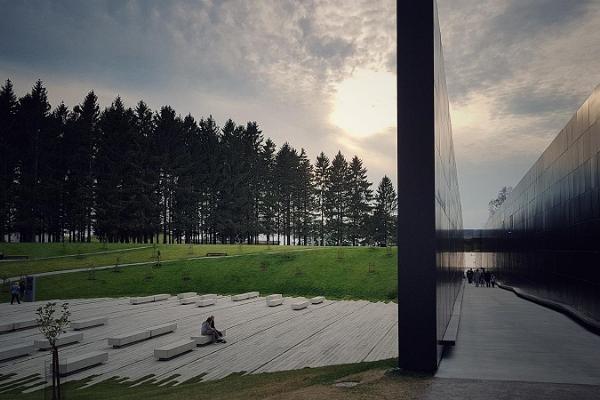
(321, 74)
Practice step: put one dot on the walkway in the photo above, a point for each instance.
(503, 337)
(259, 338)
(137, 264)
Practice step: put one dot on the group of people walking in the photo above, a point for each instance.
(17, 292)
(481, 277)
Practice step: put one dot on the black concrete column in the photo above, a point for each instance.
(417, 341)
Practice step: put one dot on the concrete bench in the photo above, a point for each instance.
(299, 305)
(24, 324)
(88, 323)
(76, 363)
(64, 339)
(162, 329)
(206, 300)
(128, 338)
(244, 296)
(317, 300)
(141, 300)
(174, 349)
(15, 325)
(274, 300)
(186, 295)
(188, 300)
(206, 339)
(216, 254)
(16, 351)
(149, 299)
(7, 327)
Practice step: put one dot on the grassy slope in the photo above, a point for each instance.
(167, 252)
(331, 272)
(246, 387)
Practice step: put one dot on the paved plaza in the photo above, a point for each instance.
(504, 337)
(259, 338)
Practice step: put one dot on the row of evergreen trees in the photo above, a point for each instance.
(134, 175)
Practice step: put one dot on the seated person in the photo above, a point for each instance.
(208, 329)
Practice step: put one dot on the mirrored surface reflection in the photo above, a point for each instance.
(545, 238)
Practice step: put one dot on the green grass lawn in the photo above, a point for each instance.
(84, 260)
(356, 273)
(236, 386)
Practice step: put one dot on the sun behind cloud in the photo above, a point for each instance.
(365, 103)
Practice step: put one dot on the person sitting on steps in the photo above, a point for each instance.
(208, 329)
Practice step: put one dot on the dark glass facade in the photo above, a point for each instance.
(547, 233)
(430, 246)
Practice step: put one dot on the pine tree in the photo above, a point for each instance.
(80, 140)
(286, 165)
(304, 198)
(337, 198)
(32, 120)
(384, 215)
(321, 182)
(8, 159)
(360, 196)
(268, 204)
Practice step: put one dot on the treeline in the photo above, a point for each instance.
(134, 175)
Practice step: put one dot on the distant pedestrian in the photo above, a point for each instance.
(482, 277)
(493, 280)
(470, 275)
(477, 276)
(487, 277)
(22, 289)
(14, 293)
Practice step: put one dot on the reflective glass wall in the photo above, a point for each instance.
(548, 230)
(448, 213)
(430, 249)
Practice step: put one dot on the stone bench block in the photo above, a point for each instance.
(26, 323)
(16, 351)
(76, 363)
(7, 327)
(162, 329)
(204, 339)
(141, 300)
(174, 349)
(239, 297)
(252, 295)
(161, 297)
(207, 296)
(274, 301)
(206, 302)
(186, 295)
(88, 323)
(188, 300)
(299, 305)
(317, 300)
(63, 339)
(274, 296)
(127, 338)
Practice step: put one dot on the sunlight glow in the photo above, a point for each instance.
(365, 103)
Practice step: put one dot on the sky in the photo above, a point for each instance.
(321, 74)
